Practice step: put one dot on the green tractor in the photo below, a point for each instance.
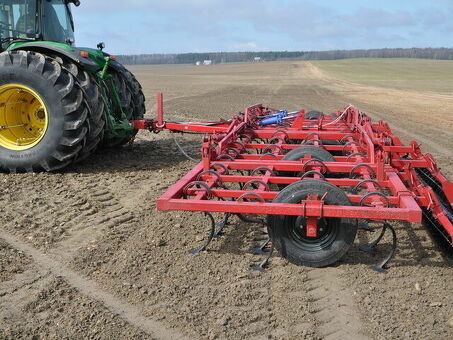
(58, 103)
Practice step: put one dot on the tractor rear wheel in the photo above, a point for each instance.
(132, 102)
(43, 114)
(97, 109)
(289, 235)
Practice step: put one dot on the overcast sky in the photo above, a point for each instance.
(173, 26)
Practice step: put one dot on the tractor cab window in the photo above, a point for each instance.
(17, 20)
(57, 24)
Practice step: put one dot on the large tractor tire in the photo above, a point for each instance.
(132, 102)
(43, 114)
(97, 108)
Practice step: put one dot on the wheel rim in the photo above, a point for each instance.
(23, 117)
(327, 233)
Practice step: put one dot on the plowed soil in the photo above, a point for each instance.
(84, 253)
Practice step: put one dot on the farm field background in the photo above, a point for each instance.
(84, 253)
(423, 75)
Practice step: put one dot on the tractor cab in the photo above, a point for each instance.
(36, 20)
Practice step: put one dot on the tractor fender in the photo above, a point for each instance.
(85, 63)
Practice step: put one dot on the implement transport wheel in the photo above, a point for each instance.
(313, 115)
(43, 114)
(314, 151)
(289, 235)
(333, 142)
(132, 102)
(299, 153)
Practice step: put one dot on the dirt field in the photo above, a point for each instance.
(84, 253)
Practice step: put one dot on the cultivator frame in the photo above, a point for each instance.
(245, 167)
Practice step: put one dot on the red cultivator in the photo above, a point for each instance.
(314, 176)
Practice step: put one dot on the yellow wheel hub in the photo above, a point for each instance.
(23, 117)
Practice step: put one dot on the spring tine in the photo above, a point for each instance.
(371, 248)
(363, 225)
(210, 237)
(221, 225)
(262, 266)
(260, 249)
(380, 267)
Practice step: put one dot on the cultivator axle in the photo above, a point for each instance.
(313, 176)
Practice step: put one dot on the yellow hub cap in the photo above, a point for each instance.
(23, 117)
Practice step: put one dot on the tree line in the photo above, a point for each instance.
(215, 57)
(232, 57)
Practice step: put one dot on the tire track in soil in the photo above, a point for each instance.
(89, 288)
(45, 216)
(334, 305)
(101, 212)
(25, 279)
(17, 293)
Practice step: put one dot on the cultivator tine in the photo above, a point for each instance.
(243, 197)
(221, 225)
(260, 250)
(363, 225)
(262, 266)
(380, 267)
(210, 236)
(371, 248)
(265, 248)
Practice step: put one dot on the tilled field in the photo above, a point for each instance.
(84, 253)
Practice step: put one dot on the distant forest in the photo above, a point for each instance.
(232, 57)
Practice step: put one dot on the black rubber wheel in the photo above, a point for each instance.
(132, 102)
(330, 142)
(97, 113)
(313, 115)
(301, 152)
(288, 234)
(63, 104)
(333, 142)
